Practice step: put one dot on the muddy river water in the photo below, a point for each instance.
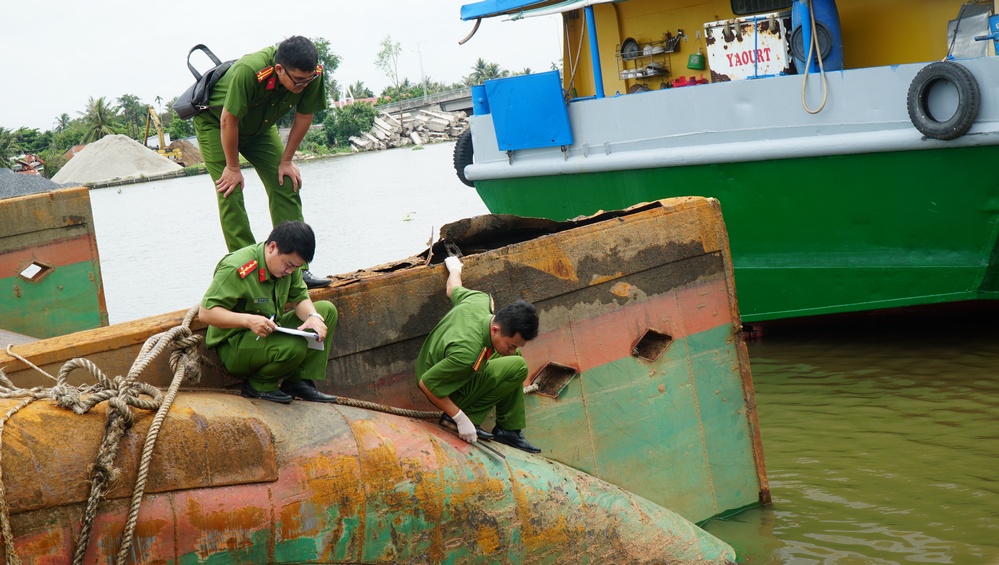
(881, 436)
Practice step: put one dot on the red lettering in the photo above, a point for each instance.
(729, 55)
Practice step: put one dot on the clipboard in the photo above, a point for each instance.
(310, 337)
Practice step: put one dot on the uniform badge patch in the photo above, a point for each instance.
(261, 300)
(270, 83)
(484, 356)
(263, 274)
(264, 73)
(247, 269)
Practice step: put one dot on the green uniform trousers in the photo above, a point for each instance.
(264, 152)
(267, 361)
(501, 384)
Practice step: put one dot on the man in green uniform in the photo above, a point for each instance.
(244, 107)
(244, 306)
(470, 363)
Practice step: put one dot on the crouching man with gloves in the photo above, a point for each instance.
(470, 363)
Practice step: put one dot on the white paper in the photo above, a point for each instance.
(310, 337)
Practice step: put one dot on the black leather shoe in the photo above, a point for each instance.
(483, 434)
(514, 438)
(306, 390)
(274, 395)
(312, 281)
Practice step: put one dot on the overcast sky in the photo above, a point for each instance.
(61, 52)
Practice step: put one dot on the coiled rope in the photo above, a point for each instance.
(121, 393)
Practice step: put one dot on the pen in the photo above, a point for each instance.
(272, 319)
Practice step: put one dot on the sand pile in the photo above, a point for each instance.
(15, 184)
(114, 156)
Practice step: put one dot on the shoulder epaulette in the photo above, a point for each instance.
(264, 73)
(247, 269)
(319, 70)
(484, 356)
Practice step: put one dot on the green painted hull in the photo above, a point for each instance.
(848, 233)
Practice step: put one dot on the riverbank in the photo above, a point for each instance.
(201, 170)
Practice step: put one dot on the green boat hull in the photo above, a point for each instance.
(909, 228)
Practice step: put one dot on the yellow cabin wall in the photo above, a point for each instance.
(875, 33)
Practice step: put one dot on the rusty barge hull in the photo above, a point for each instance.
(643, 373)
(50, 276)
(246, 482)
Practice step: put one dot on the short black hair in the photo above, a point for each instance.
(298, 53)
(294, 237)
(520, 317)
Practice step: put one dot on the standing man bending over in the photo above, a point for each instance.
(245, 304)
(244, 107)
(471, 363)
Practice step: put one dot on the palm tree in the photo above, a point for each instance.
(8, 147)
(483, 71)
(99, 120)
(358, 90)
(62, 122)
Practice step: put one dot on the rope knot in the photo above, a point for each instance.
(66, 396)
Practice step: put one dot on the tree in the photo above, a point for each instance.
(388, 60)
(62, 122)
(133, 114)
(8, 147)
(358, 90)
(330, 62)
(483, 71)
(98, 119)
(32, 141)
(342, 123)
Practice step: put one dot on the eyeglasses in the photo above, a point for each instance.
(299, 83)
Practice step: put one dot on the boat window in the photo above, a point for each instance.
(745, 7)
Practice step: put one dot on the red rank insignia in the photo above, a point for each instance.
(247, 269)
(263, 274)
(264, 73)
(271, 83)
(484, 356)
(319, 70)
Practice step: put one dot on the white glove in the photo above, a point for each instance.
(453, 264)
(466, 429)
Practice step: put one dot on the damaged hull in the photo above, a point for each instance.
(50, 275)
(643, 383)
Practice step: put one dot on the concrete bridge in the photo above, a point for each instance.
(450, 101)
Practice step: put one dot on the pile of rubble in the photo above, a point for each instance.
(426, 126)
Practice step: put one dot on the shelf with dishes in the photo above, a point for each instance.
(647, 60)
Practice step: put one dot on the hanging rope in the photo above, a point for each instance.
(808, 64)
(121, 393)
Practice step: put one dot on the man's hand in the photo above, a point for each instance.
(261, 325)
(466, 429)
(231, 179)
(314, 323)
(453, 264)
(290, 169)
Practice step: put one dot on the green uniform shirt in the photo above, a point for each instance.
(251, 91)
(447, 356)
(242, 284)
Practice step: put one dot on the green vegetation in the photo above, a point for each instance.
(342, 123)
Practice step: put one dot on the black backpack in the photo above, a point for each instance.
(195, 98)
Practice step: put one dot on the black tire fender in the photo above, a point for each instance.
(968, 104)
(463, 156)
